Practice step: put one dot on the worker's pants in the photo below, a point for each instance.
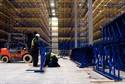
(35, 54)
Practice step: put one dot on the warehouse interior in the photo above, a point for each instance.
(65, 27)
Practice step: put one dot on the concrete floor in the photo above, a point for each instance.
(68, 73)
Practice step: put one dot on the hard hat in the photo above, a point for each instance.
(37, 35)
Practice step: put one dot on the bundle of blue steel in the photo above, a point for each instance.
(66, 45)
(115, 30)
(110, 51)
(114, 33)
(107, 61)
(82, 56)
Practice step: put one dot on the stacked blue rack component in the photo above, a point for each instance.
(64, 47)
(109, 53)
(82, 56)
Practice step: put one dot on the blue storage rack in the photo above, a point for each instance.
(109, 53)
(82, 56)
(107, 60)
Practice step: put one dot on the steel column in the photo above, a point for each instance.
(76, 22)
(90, 22)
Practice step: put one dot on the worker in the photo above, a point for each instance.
(35, 49)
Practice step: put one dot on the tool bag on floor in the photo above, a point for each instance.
(48, 56)
(53, 62)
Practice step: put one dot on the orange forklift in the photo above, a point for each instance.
(15, 49)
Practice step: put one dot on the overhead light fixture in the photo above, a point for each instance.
(53, 11)
(53, 14)
(80, 5)
(52, 4)
(100, 11)
(105, 5)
